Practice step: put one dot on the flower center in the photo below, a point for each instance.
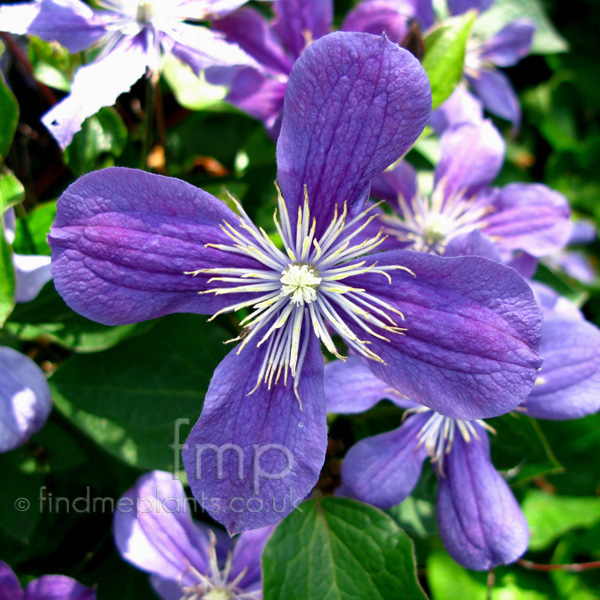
(145, 11)
(217, 594)
(300, 282)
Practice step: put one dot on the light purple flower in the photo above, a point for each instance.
(133, 34)
(527, 217)
(25, 400)
(456, 334)
(187, 560)
(480, 521)
(48, 587)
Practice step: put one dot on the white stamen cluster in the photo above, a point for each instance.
(430, 222)
(215, 584)
(438, 433)
(302, 287)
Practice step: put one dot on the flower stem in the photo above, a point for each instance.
(573, 567)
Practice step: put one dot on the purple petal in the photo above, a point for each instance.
(154, 530)
(216, 8)
(471, 158)
(252, 457)
(575, 264)
(529, 217)
(247, 554)
(58, 587)
(510, 44)
(351, 387)
(123, 240)
(389, 184)
(354, 103)
(496, 92)
(458, 7)
(32, 273)
(552, 303)
(524, 264)
(384, 469)
(10, 588)
(583, 232)
(250, 30)
(462, 107)
(167, 589)
(96, 85)
(473, 327)
(569, 383)
(200, 48)
(473, 244)
(300, 22)
(25, 400)
(480, 521)
(71, 23)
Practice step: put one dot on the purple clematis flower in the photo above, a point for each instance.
(480, 521)
(528, 217)
(187, 560)
(133, 34)
(48, 587)
(25, 400)
(276, 45)
(457, 334)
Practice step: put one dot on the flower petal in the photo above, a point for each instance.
(510, 44)
(154, 530)
(496, 92)
(252, 457)
(10, 588)
(71, 23)
(351, 387)
(530, 217)
(354, 103)
(384, 469)
(96, 85)
(32, 273)
(300, 22)
(473, 243)
(480, 521)
(247, 554)
(123, 240)
(473, 328)
(471, 157)
(553, 304)
(462, 107)
(401, 180)
(568, 386)
(25, 400)
(458, 7)
(58, 587)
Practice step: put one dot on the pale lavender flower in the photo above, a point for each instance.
(48, 587)
(457, 334)
(133, 35)
(186, 559)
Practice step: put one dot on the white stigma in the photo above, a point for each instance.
(300, 282)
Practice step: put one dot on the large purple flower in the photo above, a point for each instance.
(48, 587)
(187, 560)
(133, 35)
(456, 334)
(25, 400)
(527, 217)
(480, 521)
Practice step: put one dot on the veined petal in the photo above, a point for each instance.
(524, 264)
(384, 469)
(300, 22)
(247, 554)
(402, 180)
(458, 7)
(351, 387)
(510, 44)
(10, 588)
(530, 217)
(497, 94)
(96, 85)
(25, 400)
(154, 530)
(391, 17)
(473, 243)
(480, 521)
(462, 107)
(123, 241)
(568, 386)
(71, 23)
(354, 104)
(472, 331)
(58, 587)
(471, 157)
(254, 454)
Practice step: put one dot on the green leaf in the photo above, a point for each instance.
(550, 516)
(546, 39)
(32, 232)
(9, 109)
(444, 58)
(339, 549)
(102, 137)
(52, 64)
(130, 398)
